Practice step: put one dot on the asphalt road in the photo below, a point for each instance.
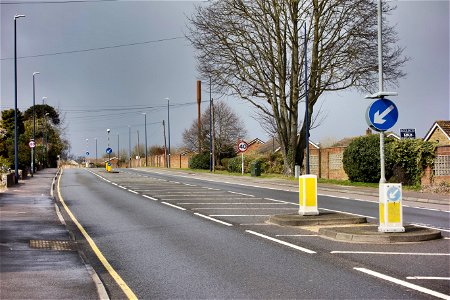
(176, 237)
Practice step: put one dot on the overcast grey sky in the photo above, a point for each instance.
(86, 85)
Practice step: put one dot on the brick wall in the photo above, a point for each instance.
(441, 169)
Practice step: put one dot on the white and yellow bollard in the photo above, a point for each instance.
(391, 211)
(308, 195)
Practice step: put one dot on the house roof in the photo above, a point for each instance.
(443, 125)
(255, 141)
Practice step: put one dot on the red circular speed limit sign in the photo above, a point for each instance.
(242, 147)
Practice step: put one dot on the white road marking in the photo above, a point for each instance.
(255, 224)
(254, 208)
(239, 215)
(151, 198)
(403, 283)
(231, 203)
(114, 183)
(174, 182)
(344, 212)
(242, 194)
(134, 192)
(189, 184)
(280, 201)
(427, 278)
(212, 219)
(390, 253)
(172, 205)
(281, 242)
(296, 235)
(432, 227)
(122, 187)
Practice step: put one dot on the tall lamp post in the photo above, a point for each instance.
(96, 157)
(145, 131)
(129, 146)
(16, 132)
(168, 131)
(34, 123)
(43, 128)
(306, 102)
(46, 138)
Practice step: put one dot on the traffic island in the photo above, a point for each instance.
(370, 234)
(323, 218)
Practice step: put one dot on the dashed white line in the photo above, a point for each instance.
(281, 242)
(390, 253)
(151, 198)
(122, 187)
(296, 235)
(212, 219)
(172, 205)
(134, 192)
(427, 278)
(230, 203)
(114, 183)
(242, 194)
(403, 283)
(239, 215)
(280, 201)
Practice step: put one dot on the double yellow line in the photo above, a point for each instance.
(125, 288)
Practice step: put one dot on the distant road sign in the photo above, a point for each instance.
(382, 114)
(87, 153)
(32, 144)
(242, 147)
(409, 133)
(108, 150)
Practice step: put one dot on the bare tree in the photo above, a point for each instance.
(254, 50)
(227, 127)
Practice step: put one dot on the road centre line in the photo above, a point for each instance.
(280, 189)
(344, 212)
(242, 194)
(134, 192)
(122, 187)
(151, 198)
(253, 208)
(296, 235)
(112, 272)
(403, 283)
(390, 253)
(172, 205)
(427, 278)
(239, 215)
(212, 219)
(229, 203)
(281, 242)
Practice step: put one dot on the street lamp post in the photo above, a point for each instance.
(145, 131)
(129, 146)
(168, 131)
(306, 102)
(210, 130)
(16, 132)
(34, 123)
(118, 151)
(96, 157)
(46, 138)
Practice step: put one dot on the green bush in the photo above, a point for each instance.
(362, 159)
(200, 161)
(409, 158)
(235, 164)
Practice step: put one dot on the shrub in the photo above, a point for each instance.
(362, 159)
(409, 158)
(200, 161)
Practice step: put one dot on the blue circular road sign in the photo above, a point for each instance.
(382, 114)
(87, 153)
(394, 194)
(108, 150)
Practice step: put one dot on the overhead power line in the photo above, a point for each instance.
(99, 48)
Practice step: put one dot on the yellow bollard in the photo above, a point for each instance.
(308, 195)
(391, 211)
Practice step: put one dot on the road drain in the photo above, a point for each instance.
(53, 245)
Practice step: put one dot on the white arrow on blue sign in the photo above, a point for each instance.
(108, 150)
(382, 114)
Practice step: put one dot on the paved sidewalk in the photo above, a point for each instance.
(38, 259)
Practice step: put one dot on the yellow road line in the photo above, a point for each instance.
(128, 292)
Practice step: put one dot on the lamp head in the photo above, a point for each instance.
(108, 130)
(35, 73)
(19, 16)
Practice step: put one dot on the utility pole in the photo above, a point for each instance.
(165, 145)
(118, 151)
(129, 146)
(34, 123)
(199, 101)
(213, 138)
(138, 149)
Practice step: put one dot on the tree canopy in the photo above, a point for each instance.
(255, 50)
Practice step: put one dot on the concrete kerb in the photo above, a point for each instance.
(101, 289)
(324, 218)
